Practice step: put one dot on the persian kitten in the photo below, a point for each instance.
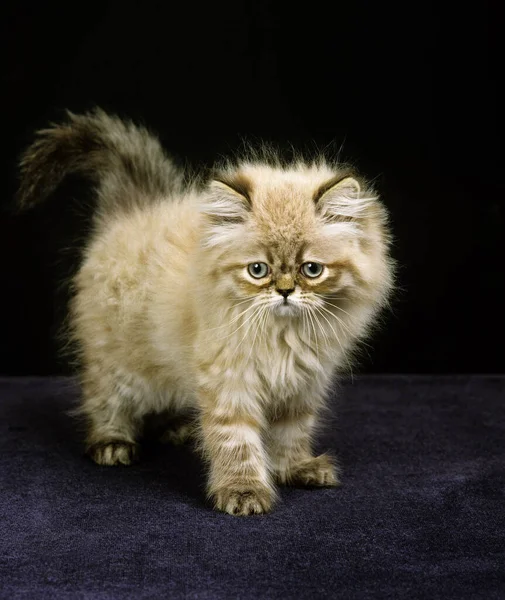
(234, 300)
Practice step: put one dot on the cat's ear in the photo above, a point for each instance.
(228, 201)
(341, 197)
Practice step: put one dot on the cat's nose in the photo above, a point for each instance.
(285, 293)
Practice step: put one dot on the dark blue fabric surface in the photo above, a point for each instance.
(421, 513)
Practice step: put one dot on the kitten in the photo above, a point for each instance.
(238, 298)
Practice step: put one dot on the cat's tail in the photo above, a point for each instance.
(126, 163)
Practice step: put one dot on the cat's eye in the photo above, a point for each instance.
(312, 269)
(258, 270)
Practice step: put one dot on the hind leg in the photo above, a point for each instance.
(179, 431)
(113, 423)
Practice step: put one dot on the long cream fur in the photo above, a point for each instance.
(167, 316)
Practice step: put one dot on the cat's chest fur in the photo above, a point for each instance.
(280, 367)
(286, 363)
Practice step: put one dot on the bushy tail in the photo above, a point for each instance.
(126, 162)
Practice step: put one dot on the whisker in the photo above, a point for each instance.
(304, 318)
(318, 309)
(325, 299)
(259, 322)
(237, 317)
(323, 332)
(255, 312)
(309, 314)
(340, 321)
(267, 313)
(338, 308)
(256, 317)
(362, 342)
(338, 340)
(242, 301)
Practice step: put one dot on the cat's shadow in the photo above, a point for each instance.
(179, 468)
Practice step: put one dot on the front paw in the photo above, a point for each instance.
(317, 471)
(243, 500)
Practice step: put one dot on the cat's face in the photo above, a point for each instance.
(291, 241)
(291, 276)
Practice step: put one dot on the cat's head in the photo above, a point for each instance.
(293, 237)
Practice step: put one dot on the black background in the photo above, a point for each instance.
(409, 89)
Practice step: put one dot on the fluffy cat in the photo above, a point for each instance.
(237, 298)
